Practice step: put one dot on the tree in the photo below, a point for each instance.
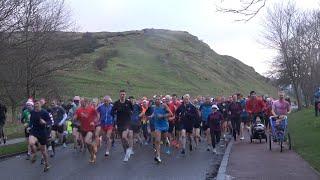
(248, 9)
(32, 55)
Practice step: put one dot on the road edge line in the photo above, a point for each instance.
(224, 163)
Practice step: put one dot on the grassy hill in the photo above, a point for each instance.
(159, 61)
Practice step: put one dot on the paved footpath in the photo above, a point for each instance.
(70, 165)
(13, 141)
(255, 161)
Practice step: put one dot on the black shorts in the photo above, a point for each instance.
(171, 126)
(205, 126)
(43, 140)
(178, 126)
(123, 127)
(186, 126)
(84, 133)
(197, 124)
(57, 128)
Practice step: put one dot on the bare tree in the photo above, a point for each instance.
(248, 9)
(32, 55)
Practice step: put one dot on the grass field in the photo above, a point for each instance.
(162, 62)
(304, 128)
(13, 148)
(14, 130)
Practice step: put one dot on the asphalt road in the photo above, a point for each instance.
(68, 165)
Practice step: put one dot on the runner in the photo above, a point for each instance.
(148, 113)
(135, 123)
(197, 123)
(205, 111)
(39, 122)
(161, 124)
(214, 122)
(145, 122)
(87, 116)
(175, 103)
(254, 107)
(78, 142)
(57, 132)
(167, 101)
(223, 108)
(123, 110)
(106, 121)
(25, 120)
(3, 112)
(186, 114)
(235, 112)
(281, 107)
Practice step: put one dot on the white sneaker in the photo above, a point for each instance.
(242, 138)
(126, 156)
(214, 151)
(64, 145)
(50, 148)
(131, 152)
(107, 153)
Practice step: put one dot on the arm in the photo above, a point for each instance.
(63, 119)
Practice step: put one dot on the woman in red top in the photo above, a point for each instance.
(87, 115)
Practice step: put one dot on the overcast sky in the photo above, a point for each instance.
(198, 17)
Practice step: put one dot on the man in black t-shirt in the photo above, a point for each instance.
(122, 109)
(39, 122)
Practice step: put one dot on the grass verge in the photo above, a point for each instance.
(304, 128)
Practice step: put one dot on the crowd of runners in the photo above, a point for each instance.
(169, 121)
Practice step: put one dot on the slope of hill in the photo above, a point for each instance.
(160, 61)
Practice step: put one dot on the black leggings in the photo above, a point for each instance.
(235, 122)
(215, 137)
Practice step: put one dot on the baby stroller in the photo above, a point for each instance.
(258, 131)
(279, 133)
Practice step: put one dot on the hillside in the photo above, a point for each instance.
(159, 61)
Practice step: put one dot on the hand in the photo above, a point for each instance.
(92, 124)
(60, 124)
(25, 125)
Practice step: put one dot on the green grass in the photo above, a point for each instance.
(163, 62)
(13, 148)
(304, 128)
(13, 130)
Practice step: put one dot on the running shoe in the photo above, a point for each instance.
(208, 148)
(46, 168)
(168, 151)
(64, 145)
(107, 153)
(183, 151)
(157, 159)
(126, 156)
(214, 150)
(242, 138)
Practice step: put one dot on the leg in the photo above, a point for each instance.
(157, 142)
(43, 149)
(97, 134)
(183, 139)
(32, 142)
(213, 139)
(89, 142)
(109, 141)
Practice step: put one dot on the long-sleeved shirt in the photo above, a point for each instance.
(215, 120)
(235, 109)
(187, 113)
(254, 106)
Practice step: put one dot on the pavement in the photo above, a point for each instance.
(255, 161)
(68, 164)
(13, 141)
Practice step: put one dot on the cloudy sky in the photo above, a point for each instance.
(198, 17)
